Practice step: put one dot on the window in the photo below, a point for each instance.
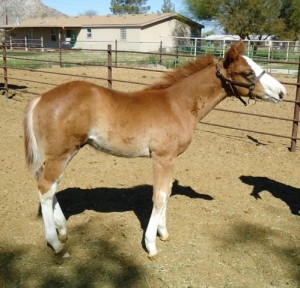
(123, 33)
(71, 36)
(53, 35)
(69, 33)
(88, 32)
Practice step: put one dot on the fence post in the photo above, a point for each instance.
(224, 48)
(195, 49)
(26, 43)
(59, 48)
(109, 67)
(296, 114)
(116, 52)
(248, 49)
(160, 53)
(177, 56)
(42, 44)
(5, 69)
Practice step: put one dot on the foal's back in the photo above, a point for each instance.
(124, 124)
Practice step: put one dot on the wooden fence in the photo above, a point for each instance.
(111, 59)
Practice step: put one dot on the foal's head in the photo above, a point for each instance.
(245, 78)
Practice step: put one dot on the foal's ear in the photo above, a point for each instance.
(233, 53)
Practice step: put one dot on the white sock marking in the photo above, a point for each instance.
(48, 217)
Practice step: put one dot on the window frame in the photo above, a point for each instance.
(123, 34)
(89, 33)
(53, 34)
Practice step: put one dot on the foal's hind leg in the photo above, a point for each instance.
(51, 211)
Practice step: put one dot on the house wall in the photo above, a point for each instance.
(101, 37)
(154, 34)
(137, 39)
(163, 31)
(144, 40)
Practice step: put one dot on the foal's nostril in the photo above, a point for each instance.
(281, 95)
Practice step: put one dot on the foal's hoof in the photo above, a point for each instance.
(58, 249)
(152, 257)
(165, 238)
(63, 238)
(63, 254)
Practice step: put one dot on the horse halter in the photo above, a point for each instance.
(233, 84)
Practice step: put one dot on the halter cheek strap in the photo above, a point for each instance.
(233, 84)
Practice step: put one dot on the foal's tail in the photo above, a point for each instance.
(32, 150)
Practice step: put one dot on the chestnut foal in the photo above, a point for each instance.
(157, 122)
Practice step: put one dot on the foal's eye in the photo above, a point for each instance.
(248, 74)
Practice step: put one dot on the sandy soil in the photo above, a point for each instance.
(233, 216)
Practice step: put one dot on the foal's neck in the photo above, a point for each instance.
(202, 91)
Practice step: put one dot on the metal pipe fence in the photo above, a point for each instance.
(128, 60)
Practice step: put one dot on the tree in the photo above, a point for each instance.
(129, 6)
(168, 7)
(89, 12)
(290, 13)
(245, 18)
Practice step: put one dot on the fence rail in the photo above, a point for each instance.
(112, 58)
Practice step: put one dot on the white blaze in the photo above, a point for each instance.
(274, 90)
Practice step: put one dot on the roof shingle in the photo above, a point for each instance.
(128, 20)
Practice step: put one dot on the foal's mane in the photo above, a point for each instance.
(183, 72)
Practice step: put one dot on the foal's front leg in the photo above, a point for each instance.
(60, 221)
(162, 223)
(162, 175)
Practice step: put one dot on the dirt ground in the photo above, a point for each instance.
(233, 215)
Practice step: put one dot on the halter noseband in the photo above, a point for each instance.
(232, 85)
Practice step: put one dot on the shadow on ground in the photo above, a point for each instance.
(137, 199)
(101, 266)
(288, 194)
(243, 236)
(11, 88)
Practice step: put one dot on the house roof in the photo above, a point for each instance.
(128, 20)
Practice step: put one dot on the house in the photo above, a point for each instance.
(133, 32)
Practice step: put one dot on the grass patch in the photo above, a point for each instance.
(71, 58)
